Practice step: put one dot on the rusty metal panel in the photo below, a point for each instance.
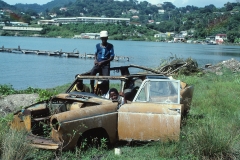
(85, 112)
(21, 121)
(137, 121)
(70, 131)
(17, 122)
(74, 123)
(186, 98)
(44, 143)
(27, 122)
(139, 107)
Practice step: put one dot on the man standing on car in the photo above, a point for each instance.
(103, 55)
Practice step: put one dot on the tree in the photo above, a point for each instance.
(229, 6)
(14, 17)
(232, 36)
(26, 19)
(168, 6)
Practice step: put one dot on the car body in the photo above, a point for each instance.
(153, 110)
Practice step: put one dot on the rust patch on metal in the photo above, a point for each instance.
(149, 122)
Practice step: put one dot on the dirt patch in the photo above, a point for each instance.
(12, 103)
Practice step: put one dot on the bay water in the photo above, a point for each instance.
(41, 71)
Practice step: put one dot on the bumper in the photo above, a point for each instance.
(43, 143)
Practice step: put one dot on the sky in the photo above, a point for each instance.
(177, 3)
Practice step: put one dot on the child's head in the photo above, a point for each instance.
(79, 83)
(113, 94)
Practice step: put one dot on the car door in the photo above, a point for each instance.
(154, 114)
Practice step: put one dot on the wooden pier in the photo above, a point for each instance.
(57, 53)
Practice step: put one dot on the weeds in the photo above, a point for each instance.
(4, 128)
(46, 129)
(15, 145)
(6, 90)
(208, 140)
(216, 134)
(46, 94)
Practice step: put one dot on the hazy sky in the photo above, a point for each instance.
(177, 3)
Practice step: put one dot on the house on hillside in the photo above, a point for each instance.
(63, 9)
(135, 17)
(89, 36)
(179, 38)
(220, 38)
(52, 15)
(159, 5)
(150, 21)
(210, 38)
(161, 36)
(170, 34)
(19, 24)
(161, 11)
(184, 33)
(133, 11)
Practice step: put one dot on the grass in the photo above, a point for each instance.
(210, 131)
(15, 145)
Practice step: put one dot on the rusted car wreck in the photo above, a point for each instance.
(152, 112)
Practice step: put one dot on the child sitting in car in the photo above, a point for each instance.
(114, 95)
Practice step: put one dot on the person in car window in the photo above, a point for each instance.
(114, 95)
(80, 87)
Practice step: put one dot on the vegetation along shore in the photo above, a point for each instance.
(210, 131)
(125, 20)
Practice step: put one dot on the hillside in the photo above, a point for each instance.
(4, 5)
(198, 22)
(42, 8)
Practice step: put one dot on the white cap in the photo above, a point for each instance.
(103, 34)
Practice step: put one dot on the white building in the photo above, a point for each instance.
(161, 11)
(85, 20)
(161, 36)
(184, 33)
(10, 28)
(219, 38)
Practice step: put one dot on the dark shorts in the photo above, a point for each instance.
(102, 70)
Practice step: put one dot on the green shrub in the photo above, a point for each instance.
(46, 94)
(6, 90)
(29, 90)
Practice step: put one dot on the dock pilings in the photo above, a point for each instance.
(59, 53)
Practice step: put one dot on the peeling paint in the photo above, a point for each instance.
(137, 124)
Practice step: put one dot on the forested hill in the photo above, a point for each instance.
(42, 8)
(4, 5)
(199, 22)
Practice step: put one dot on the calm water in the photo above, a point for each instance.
(42, 71)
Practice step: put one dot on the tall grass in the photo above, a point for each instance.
(4, 128)
(15, 145)
(212, 129)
